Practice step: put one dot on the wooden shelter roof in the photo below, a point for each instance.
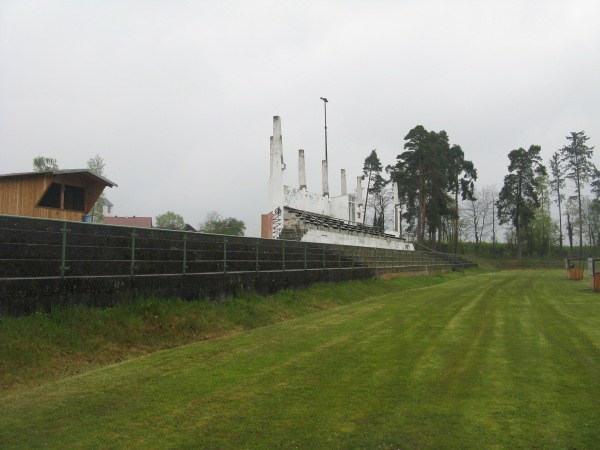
(85, 172)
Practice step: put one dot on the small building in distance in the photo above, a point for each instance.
(123, 221)
(107, 207)
(55, 194)
(139, 222)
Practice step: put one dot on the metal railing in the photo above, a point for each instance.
(49, 248)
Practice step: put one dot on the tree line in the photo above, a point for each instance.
(440, 204)
(213, 223)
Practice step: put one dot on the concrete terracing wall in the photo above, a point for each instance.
(23, 296)
(46, 263)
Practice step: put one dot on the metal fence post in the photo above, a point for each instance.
(283, 256)
(185, 239)
(63, 256)
(133, 236)
(257, 243)
(305, 262)
(224, 254)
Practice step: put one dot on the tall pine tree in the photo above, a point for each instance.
(577, 158)
(518, 198)
(371, 171)
(461, 178)
(557, 185)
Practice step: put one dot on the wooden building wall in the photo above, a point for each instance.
(20, 195)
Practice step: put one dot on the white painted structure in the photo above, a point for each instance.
(347, 208)
(359, 240)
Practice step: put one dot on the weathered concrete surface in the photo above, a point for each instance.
(46, 263)
(20, 296)
(23, 296)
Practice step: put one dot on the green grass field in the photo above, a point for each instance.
(497, 360)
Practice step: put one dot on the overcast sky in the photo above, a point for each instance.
(178, 96)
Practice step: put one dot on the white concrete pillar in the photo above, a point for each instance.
(301, 170)
(344, 189)
(276, 177)
(396, 209)
(325, 179)
(359, 200)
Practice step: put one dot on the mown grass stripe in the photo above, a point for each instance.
(506, 360)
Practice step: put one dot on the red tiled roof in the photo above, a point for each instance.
(140, 222)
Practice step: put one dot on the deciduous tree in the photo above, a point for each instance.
(380, 201)
(96, 166)
(44, 164)
(594, 215)
(541, 233)
(478, 213)
(217, 224)
(170, 221)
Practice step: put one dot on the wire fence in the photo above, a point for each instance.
(49, 248)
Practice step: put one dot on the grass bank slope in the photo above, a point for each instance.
(66, 341)
(505, 360)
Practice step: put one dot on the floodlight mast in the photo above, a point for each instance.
(325, 105)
